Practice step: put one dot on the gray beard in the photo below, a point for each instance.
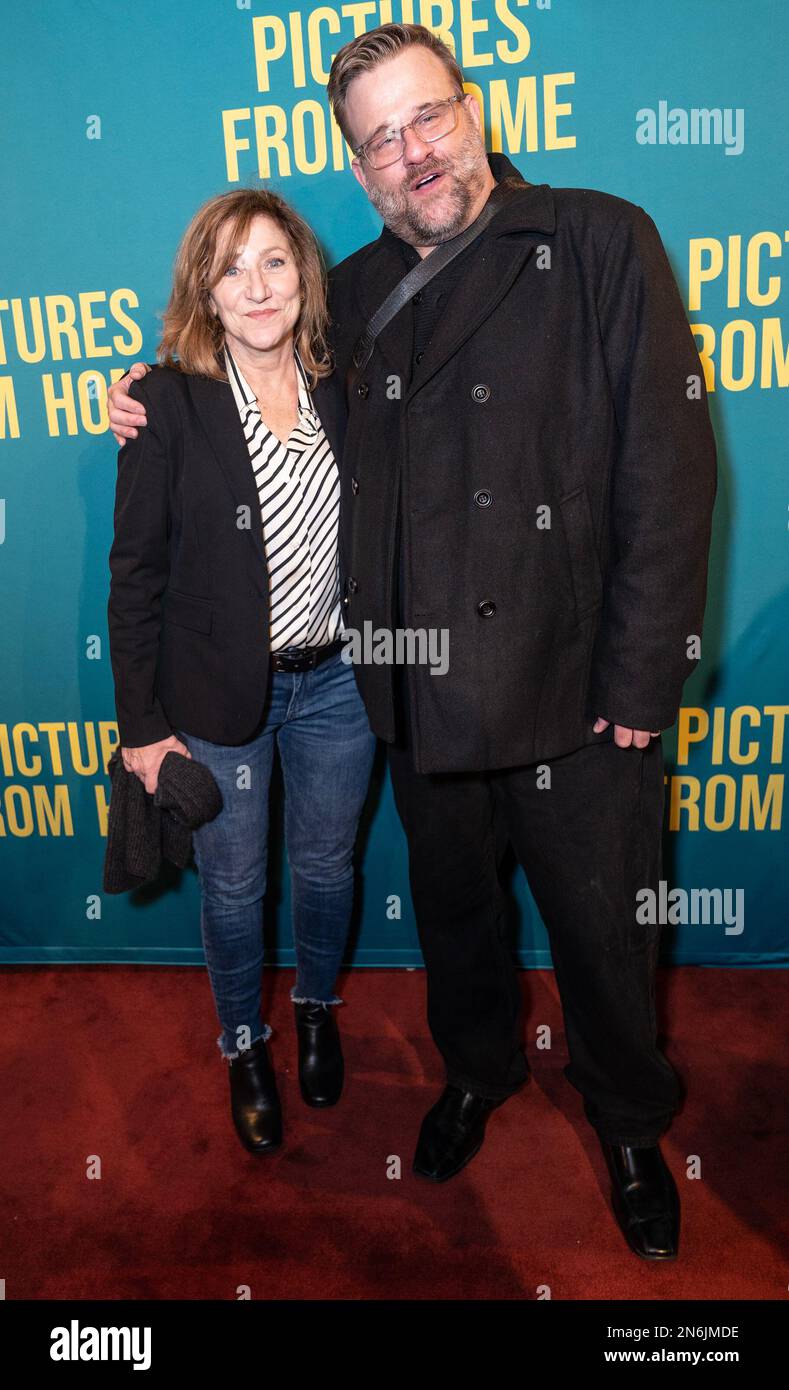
(466, 171)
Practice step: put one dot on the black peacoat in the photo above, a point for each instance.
(555, 465)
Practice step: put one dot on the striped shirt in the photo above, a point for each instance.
(299, 489)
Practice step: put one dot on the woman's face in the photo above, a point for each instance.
(258, 298)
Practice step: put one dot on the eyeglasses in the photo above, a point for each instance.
(435, 121)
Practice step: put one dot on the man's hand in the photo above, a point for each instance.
(145, 762)
(125, 412)
(624, 737)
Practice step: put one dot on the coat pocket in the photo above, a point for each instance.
(187, 610)
(584, 560)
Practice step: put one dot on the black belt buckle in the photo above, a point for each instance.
(294, 659)
(303, 658)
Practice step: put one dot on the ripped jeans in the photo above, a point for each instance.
(319, 724)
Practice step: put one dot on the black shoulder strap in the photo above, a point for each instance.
(420, 276)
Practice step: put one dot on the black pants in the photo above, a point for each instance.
(587, 845)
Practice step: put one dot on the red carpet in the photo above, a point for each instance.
(121, 1062)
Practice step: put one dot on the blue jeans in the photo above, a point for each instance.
(318, 722)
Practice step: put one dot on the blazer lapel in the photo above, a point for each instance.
(215, 405)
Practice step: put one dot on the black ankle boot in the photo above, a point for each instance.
(321, 1069)
(254, 1101)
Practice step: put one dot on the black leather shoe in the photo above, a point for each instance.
(452, 1133)
(254, 1101)
(645, 1200)
(321, 1068)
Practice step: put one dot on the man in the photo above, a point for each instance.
(529, 464)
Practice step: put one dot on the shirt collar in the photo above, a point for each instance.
(245, 397)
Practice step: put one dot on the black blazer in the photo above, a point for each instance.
(188, 610)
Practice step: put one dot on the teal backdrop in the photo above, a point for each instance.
(119, 121)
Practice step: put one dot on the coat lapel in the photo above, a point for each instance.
(508, 243)
(329, 400)
(381, 271)
(503, 257)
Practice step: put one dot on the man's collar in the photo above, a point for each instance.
(532, 210)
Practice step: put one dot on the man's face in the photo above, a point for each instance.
(423, 214)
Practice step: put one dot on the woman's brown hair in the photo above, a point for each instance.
(192, 335)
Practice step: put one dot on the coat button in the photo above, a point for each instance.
(354, 486)
(486, 608)
(483, 498)
(353, 585)
(480, 393)
(418, 297)
(363, 390)
(419, 357)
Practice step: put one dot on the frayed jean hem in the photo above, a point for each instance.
(231, 1056)
(304, 999)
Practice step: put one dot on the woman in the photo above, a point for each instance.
(225, 619)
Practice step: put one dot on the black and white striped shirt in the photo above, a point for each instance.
(299, 489)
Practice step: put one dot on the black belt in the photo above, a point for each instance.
(303, 658)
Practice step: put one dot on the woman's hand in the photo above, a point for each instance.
(125, 412)
(145, 762)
